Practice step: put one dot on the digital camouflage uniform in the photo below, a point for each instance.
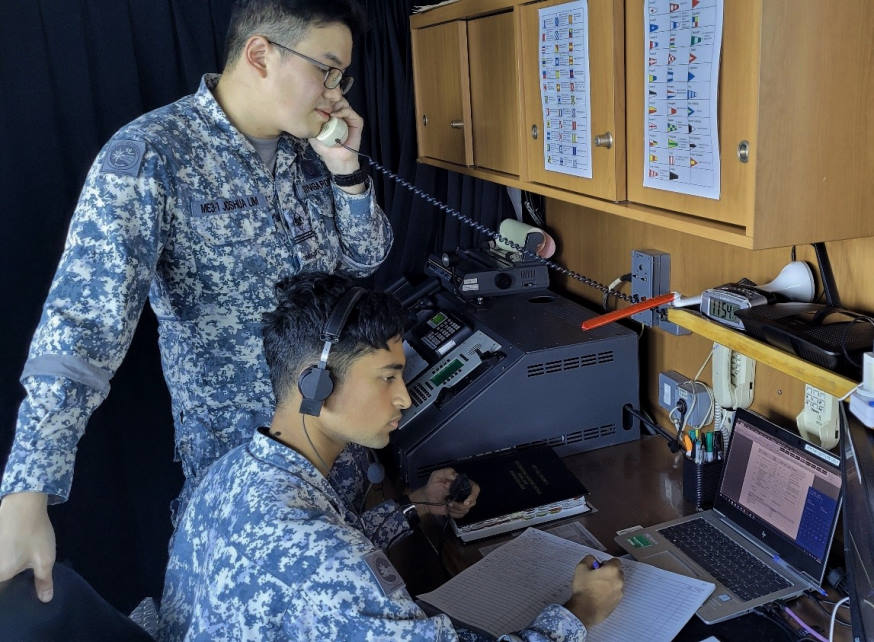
(267, 550)
(178, 207)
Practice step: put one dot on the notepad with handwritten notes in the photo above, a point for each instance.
(508, 588)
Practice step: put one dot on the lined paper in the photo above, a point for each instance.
(506, 590)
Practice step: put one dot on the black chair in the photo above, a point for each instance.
(76, 612)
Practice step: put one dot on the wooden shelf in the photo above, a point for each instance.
(713, 230)
(817, 376)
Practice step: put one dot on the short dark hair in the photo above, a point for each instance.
(286, 21)
(292, 332)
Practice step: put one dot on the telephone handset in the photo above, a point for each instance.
(332, 130)
(733, 378)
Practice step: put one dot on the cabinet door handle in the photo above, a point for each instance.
(456, 124)
(534, 132)
(604, 140)
(425, 120)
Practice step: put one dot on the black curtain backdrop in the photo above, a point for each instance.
(73, 72)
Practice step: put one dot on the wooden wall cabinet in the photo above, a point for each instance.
(494, 93)
(442, 88)
(607, 90)
(466, 85)
(796, 88)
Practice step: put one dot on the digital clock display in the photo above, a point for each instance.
(721, 303)
(722, 309)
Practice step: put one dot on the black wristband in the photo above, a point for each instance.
(408, 508)
(348, 180)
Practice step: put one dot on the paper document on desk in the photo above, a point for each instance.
(506, 590)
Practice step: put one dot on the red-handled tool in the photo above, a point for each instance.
(604, 319)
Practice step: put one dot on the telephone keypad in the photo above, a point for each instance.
(441, 333)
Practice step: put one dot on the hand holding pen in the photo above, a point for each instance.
(596, 589)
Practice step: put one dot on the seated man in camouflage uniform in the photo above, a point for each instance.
(267, 549)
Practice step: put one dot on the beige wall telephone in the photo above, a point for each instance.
(733, 377)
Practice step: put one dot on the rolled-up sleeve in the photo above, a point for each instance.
(364, 230)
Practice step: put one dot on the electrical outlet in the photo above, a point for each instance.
(675, 387)
(669, 388)
(650, 277)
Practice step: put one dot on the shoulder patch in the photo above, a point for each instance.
(124, 157)
(383, 572)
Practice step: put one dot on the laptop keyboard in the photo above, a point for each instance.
(729, 563)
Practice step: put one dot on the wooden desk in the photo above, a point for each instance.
(636, 483)
(640, 482)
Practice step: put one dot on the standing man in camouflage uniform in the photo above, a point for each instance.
(199, 206)
(267, 550)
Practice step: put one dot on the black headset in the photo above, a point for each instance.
(315, 382)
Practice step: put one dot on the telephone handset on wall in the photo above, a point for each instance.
(332, 130)
(733, 378)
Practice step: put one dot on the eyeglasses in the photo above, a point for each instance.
(333, 77)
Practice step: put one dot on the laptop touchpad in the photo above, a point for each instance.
(670, 562)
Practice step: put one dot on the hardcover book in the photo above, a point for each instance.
(519, 488)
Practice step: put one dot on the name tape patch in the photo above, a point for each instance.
(305, 190)
(225, 205)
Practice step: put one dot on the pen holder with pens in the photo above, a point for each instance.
(701, 481)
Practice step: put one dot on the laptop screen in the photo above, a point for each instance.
(783, 490)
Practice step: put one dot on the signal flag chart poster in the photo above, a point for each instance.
(565, 89)
(683, 39)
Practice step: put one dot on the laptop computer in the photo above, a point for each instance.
(777, 504)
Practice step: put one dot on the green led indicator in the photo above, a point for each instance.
(451, 368)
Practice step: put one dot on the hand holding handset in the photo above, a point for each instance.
(332, 130)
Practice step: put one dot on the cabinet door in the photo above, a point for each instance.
(442, 87)
(607, 104)
(738, 98)
(494, 93)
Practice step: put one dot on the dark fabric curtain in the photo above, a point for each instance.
(386, 93)
(73, 72)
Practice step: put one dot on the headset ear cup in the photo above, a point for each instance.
(315, 382)
(315, 385)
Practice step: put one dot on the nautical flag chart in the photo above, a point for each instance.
(564, 88)
(681, 78)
